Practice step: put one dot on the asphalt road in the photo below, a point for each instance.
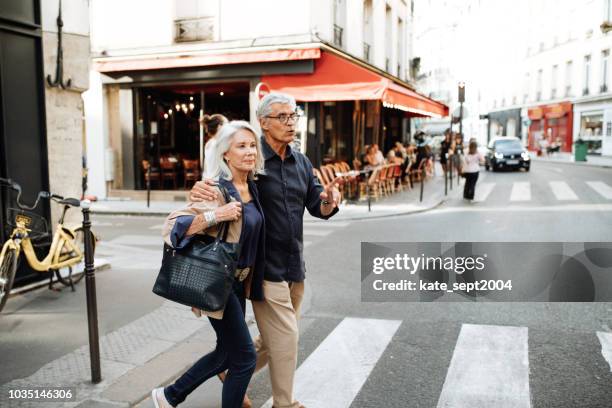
(411, 353)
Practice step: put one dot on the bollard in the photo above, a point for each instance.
(445, 182)
(149, 185)
(450, 170)
(422, 183)
(90, 288)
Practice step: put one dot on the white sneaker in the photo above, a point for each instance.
(159, 398)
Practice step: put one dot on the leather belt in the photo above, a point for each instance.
(242, 273)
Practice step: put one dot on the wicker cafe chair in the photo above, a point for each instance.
(330, 173)
(318, 175)
(382, 180)
(154, 174)
(191, 171)
(349, 181)
(374, 183)
(397, 178)
(417, 175)
(327, 175)
(168, 170)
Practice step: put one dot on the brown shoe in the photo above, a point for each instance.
(246, 403)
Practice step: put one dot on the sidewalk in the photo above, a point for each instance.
(568, 158)
(401, 203)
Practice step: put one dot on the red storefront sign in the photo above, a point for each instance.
(551, 125)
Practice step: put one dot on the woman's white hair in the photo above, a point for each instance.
(218, 166)
(264, 108)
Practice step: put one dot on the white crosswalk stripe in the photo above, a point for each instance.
(489, 363)
(521, 191)
(489, 367)
(483, 190)
(601, 188)
(562, 191)
(352, 348)
(605, 339)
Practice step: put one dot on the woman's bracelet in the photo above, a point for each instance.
(210, 218)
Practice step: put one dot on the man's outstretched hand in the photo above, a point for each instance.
(330, 196)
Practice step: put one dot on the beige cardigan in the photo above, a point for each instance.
(195, 208)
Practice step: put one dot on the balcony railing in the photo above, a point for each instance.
(338, 31)
(195, 29)
(366, 51)
(568, 90)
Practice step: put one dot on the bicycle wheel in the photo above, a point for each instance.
(79, 241)
(8, 268)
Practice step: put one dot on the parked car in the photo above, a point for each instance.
(507, 152)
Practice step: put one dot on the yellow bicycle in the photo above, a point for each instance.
(67, 245)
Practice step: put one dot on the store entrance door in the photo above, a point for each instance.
(23, 149)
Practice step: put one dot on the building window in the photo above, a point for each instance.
(539, 85)
(553, 80)
(587, 74)
(568, 78)
(339, 22)
(607, 10)
(526, 86)
(388, 39)
(401, 54)
(605, 54)
(368, 32)
(196, 21)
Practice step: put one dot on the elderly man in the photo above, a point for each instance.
(287, 188)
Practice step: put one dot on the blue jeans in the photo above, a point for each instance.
(235, 353)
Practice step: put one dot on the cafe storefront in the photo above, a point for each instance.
(154, 105)
(551, 125)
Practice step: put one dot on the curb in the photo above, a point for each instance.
(349, 218)
(573, 163)
(437, 203)
(104, 264)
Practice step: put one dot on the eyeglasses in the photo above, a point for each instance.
(284, 118)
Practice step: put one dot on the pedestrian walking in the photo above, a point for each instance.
(287, 187)
(445, 148)
(212, 125)
(234, 161)
(471, 167)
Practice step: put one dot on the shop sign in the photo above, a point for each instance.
(535, 113)
(261, 90)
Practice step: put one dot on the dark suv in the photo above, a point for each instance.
(507, 152)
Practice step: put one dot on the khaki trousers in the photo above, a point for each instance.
(277, 345)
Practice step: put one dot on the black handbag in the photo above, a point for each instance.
(202, 274)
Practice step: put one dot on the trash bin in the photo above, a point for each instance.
(580, 150)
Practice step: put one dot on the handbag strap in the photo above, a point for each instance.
(224, 227)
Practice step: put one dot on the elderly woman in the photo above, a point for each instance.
(235, 161)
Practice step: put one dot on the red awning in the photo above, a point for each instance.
(338, 79)
(108, 65)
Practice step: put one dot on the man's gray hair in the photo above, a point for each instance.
(264, 108)
(218, 167)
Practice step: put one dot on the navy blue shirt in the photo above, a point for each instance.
(287, 188)
(249, 238)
